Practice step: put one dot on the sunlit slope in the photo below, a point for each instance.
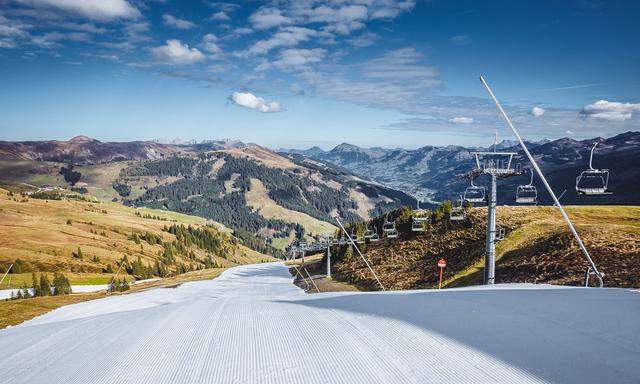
(45, 235)
(258, 199)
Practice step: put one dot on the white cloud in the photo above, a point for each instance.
(172, 21)
(403, 63)
(461, 120)
(220, 15)
(537, 111)
(93, 9)
(265, 18)
(610, 110)
(286, 37)
(298, 58)
(52, 39)
(249, 100)
(209, 44)
(83, 27)
(174, 52)
(11, 31)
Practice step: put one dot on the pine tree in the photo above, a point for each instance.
(45, 285)
(35, 285)
(61, 284)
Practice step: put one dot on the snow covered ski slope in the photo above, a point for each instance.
(251, 325)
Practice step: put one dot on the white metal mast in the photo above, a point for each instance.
(546, 184)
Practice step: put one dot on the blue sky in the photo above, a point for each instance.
(393, 73)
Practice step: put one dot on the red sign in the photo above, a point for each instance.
(442, 263)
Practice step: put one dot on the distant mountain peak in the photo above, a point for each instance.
(81, 139)
(344, 147)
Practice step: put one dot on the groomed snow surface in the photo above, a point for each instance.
(251, 325)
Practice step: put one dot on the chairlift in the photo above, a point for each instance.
(458, 213)
(369, 233)
(356, 239)
(388, 226)
(374, 237)
(474, 193)
(528, 193)
(500, 233)
(419, 217)
(391, 234)
(593, 181)
(416, 225)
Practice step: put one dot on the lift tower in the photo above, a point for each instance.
(498, 165)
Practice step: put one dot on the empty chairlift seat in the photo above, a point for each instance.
(474, 194)
(593, 181)
(528, 193)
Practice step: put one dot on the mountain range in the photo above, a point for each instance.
(268, 199)
(432, 173)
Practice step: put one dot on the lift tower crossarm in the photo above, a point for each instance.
(546, 184)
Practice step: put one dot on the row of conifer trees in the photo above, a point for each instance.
(44, 287)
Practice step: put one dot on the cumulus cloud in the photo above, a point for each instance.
(610, 110)
(174, 52)
(265, 18)
(249, 100)
(93, 9)
(209, 44)
(537, 111)
(461, 120)
(175, 22)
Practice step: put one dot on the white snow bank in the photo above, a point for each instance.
(6, 293)
(251, 325)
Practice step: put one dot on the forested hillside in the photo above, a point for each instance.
(216, 185)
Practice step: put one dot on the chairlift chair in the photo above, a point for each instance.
(356, 239)
(527, 194)
(374, 237)
(418, 218)
(388, 226)
(416, 225)
(369, 233)
(392, 234)
(593, 181)
(474, 193)
(500, 233)
(458, 213)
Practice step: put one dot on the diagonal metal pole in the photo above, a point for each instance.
(311, 278)
(360, 253)
(546, 184)
(6, 273)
